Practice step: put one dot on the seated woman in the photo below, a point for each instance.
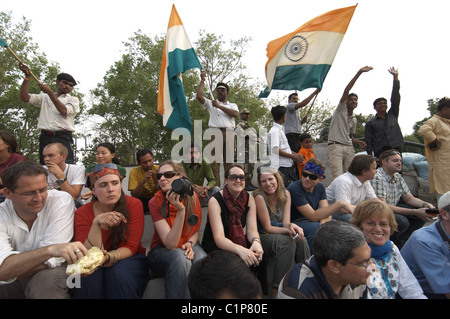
(177, 221)
(104, 153)
(229, 211)
(9, 155)
(113, 222)
(390, 274)
(281, 240)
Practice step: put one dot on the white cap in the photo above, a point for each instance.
(444, 200)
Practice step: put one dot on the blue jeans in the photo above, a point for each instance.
(126, 279)
(173, 265)
(309, 229)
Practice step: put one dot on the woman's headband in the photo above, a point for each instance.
(101, 170)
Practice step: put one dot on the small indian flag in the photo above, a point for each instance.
(2, 43)
(302, 59)
(178, 57)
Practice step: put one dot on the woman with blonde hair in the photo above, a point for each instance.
(282, 240)
(389, 273)
(176, 214)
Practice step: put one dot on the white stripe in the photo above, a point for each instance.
(177, 39)
(322, 48)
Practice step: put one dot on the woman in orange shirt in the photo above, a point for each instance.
(177, 220)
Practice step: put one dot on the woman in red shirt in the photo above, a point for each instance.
(113, 222)
(177, 220)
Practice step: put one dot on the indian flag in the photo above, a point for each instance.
(302, 59)
(2, 43)
(178, 57)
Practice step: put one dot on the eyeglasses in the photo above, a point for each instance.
(33, 193)
(312, 177)
(234, 177)
(363, 264)
(168, 174)
(372, 224)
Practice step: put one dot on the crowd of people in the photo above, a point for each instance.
(289, 236)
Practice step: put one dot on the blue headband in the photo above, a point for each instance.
(314, 168)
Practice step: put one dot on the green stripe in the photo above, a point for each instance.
(300, 77)
(3, 43)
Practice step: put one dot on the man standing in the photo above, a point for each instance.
(58, 111)
(390, 187)
(222, 116)
(383, 131)
(342, 127)
(293, 123)
(281, 156)
(249, 137)
(337, 271)
(36, 227)
(142, 181)
(436, 133)
(62, 176)
(197, 171)
(353, 186)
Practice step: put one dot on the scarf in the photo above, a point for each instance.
(381, 252)
(236, 207)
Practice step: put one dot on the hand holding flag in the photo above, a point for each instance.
(3, 44)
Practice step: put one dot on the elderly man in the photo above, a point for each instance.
(57, 111)
(391, 188)
(427, 253)
(337, 271)
(62, 176)
(36, 227)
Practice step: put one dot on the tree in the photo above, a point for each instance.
(18, 117)
(432, 107)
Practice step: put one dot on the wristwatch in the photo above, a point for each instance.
(60, 181)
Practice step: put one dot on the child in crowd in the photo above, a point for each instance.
(306, 151)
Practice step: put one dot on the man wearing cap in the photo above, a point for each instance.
(246, 149)
(58, 110)
(391, 188)
(427, 253)
(222, 116)
(293, 123)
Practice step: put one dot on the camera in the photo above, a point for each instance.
(182, 186)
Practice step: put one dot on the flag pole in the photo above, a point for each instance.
(17, 58)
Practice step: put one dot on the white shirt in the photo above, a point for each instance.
(347, 187)
(49, 117)
(53, 225)
(75, 176)
(342, 125)
(217, 117)
(277, 138)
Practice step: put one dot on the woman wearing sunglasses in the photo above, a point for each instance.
(282, 240)
(177, 220)
(389, 272)
(112, 222)
(229, 212)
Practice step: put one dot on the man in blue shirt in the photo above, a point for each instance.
(427, 253)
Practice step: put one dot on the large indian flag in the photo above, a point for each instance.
(178, 57)
(302, 59)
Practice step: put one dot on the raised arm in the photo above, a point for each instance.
(200, 96)
(353, 81)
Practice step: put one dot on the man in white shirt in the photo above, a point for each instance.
(222, 116)
(58, 111)
(281, 156)
(36, 227)
(353, 186)
(62, 176)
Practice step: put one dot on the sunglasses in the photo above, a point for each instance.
(99, 167)
(234, 177)
(168, 174)
(312, 177)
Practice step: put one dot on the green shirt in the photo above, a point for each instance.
(197, 176)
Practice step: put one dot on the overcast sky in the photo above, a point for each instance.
(86, 38)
